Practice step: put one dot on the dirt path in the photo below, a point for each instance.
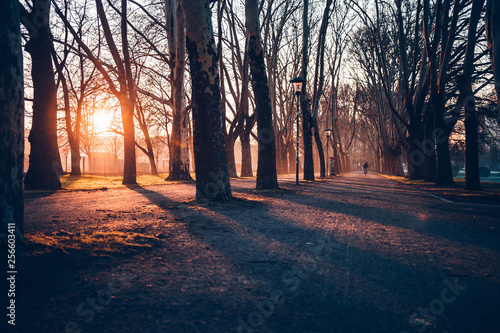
(351, 254)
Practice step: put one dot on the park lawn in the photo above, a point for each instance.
(490, 190)
(94, 182)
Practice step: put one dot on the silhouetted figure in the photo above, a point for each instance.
(365, 167)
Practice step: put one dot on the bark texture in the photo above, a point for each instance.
(179, 156)
(212, 177)
(472, 180)
(266, 167)
(304, 103)
(492, 25)
(45, 162)
(11, 119)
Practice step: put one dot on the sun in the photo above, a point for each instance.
(103, 121)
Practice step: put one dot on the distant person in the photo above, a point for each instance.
(365, 167)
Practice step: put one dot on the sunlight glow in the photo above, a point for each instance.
(103, 121)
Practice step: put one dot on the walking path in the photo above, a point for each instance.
(353, 253)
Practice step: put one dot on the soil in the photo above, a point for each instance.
(352, 253)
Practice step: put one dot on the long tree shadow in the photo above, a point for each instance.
(327, 284)
(415, 220)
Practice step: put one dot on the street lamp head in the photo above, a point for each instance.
(297, 84)
(328, 130)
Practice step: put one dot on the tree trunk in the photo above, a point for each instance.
(321, 154)
(179, 157)
(304, 103)
(416, 155)
(266, 168)
(472, 180)
(492, 26)
(127, 105)
(430, 169)
(11, 123)
(284, 157)
(231, 161)
(279, 162)
(444, 172)
(246, 150)
(291, 157)
(45, 162)
(212, 177)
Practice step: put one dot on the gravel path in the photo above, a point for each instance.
(354, 253)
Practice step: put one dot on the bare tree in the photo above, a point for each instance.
(493, 36)
(45, 162)
(212, 177)
(76, 86)
(319, 79)
(472, 181)
(266, 168)
(126, 92)
(439, 62)
(305, 102)
(179, 163)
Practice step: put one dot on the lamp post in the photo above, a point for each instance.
(327, 159)
(297, 85)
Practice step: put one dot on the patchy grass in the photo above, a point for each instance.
(490, 190)
(93, 182)
(98, 243)
(407, 181)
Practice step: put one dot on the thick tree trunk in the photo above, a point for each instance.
(416, 155)
(307, 139)
(246, 151)
(321, 154)
(179, 157)
(472, 180)
(266, 167)
(279, 162)
(45, 162)
(430, 166)
(284, 157)
(75, 159)
(11, 123)
(492, 25)
(127, 106)
(444, 172)
(152, 164)
(304, 102)
(291, 157)
(231, 161)
(212, 177)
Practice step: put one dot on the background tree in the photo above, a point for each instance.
(266, 169)
(44, 162)
(179, 165)
(472, 181)
(304, 99)
(212, 177)
(493, 36)
(125, 93)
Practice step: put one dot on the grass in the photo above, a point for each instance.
(490, 190)
(97, 242)
(93, 182)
